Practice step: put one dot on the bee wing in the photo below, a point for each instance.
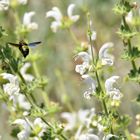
(13, 44)
(33, 44)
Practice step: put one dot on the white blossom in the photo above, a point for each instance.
(109, 136)
(91, 86)
(27, 77)
(4, 5)
(71, 120)
(85, 64)
(81, 69)
(100, 127)
(22, 2)
(93, 35)
(113, 92)
(58, 17)
(88, 117)
(82, 116)
(88, 137)
(84, 56)
(26, 129)
(20, 100)
(56, 14)
(27, 21)
(11, 88)
(85, 136)
(39, 125)
(104, 56)
(72, 17)
(129, 17)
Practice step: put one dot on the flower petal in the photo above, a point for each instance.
(27, 20)
(27, 77)
(4, 5)
(84, 56)
(71, 120)
(104, 56)
(70, 9)
(22, 2)
(55, 13)
(109, 83)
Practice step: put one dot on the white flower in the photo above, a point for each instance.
(109, 136)
(20, 100)
(71, 120)
(12, 87)
(27, 21)
(4, 5)
(93, 35)
(81, 69)
(27, 77)
(88, 137)
(57, 15)
(100, 127)
(39, 125)
(129, 17)
(26, 129)
(85, 116)
(72, 17)
(82, 116)
(91, 86)
(84, 56)
(22, 2)
(114, 93)
(85, 64)
(104, 56)
(89, 116)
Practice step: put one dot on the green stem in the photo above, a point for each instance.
(129, 43)
(73, 36)
(105, 107)
(22, 78)
(64, 92)
(98, 80)
(53, 128)
(132, 61)
(36, 70)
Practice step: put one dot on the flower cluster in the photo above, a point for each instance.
(88, 66)
(4, 4)
(85, 119)
(18, 102)
(37, 128)
(23, 70)
(131, 18)
(27, 21)
(60, 21)
(12, 89)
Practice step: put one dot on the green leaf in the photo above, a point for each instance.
(2, 32)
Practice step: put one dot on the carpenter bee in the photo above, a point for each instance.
(24, 47)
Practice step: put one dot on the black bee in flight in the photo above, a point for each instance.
(24, 47)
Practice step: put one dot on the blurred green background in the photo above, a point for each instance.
(65, 85)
